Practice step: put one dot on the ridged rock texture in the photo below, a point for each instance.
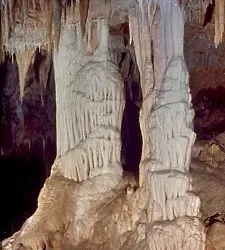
(99, 50)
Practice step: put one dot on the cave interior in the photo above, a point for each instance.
(28, 116)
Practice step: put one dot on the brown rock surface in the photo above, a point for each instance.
(215, 236)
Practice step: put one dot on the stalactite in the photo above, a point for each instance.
(42, 5)
(194, 10)
(44, 71)
(49, 21)
(23, 60)
(57, 13)
(71, 6)
(24, 11)
(92, 38)
(34, 4)
(11, 16)
(83, 9)
(65, 6)
(219, 21)
(6, 22)
(15, 11)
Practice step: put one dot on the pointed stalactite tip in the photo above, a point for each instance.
(83, 9)
(57, 14)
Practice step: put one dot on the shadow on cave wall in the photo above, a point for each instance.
(209, 106)
(130, 130)
(28, 139)
(131, 136)
(20, 182)
(206, 66)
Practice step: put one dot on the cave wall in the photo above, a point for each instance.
(206, 65)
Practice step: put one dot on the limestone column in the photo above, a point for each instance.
(89, 99)
(167, 119)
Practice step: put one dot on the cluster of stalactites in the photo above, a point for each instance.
(196, 10)
(42, 14)
(29, 24)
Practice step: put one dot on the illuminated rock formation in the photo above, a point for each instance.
(89, 202)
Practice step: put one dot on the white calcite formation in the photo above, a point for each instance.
(219, 21)
(169, 117)
(140, 24)
(171, 162)
(97, 208)
(182, 233)
(89, 104)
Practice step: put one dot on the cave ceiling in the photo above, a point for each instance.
(31, 24)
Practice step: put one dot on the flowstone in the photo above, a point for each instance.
(83, 215)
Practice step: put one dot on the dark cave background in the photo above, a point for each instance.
(206, 66)
(27, 138)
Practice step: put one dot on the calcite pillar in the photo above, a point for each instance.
(167, 123)
(89, 98)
